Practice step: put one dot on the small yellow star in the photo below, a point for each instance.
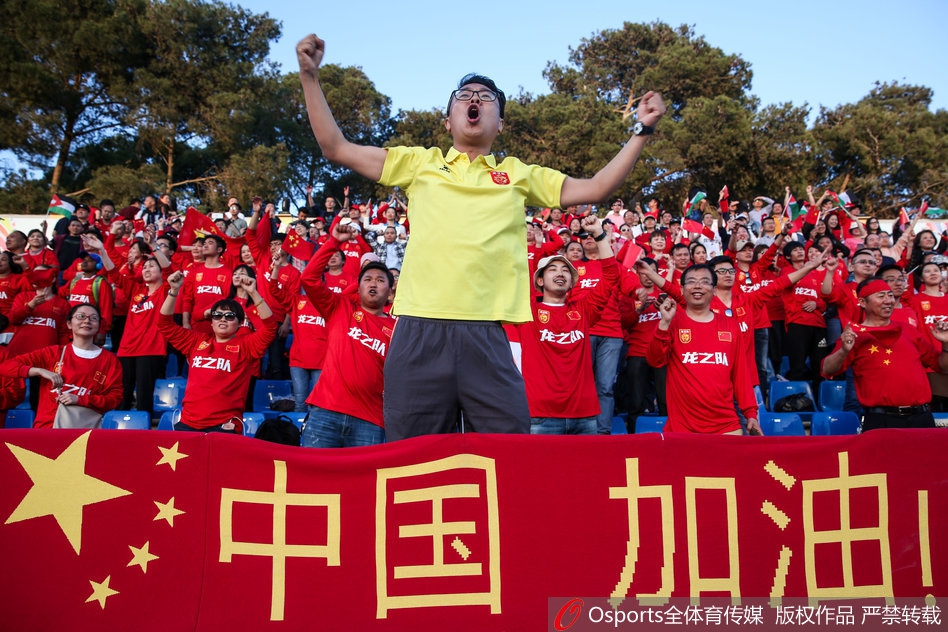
(141, 557)
(887, 362)
(888, 351)
(873, 349)
(101, 591)
(167, 511)
(171, 456)
(61, 488)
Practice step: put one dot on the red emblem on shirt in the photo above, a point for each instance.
(740, 311)
(573, 315)
(199, 276)
(232, 348)
(301, 305)
(204, 345)
(99, 377)
(724, 336)
(221, 278)
(581, 270)
(387, 331)
(684, 335)
(543, 315)
(358, 316)
(926, 305)
(499, 177)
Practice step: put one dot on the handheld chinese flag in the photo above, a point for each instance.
(297, 247)
(903, 217)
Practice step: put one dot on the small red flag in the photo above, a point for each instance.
(297, 247)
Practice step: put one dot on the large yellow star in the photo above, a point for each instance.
(167, 511)
(171, 456)
(101, 591)
(141, 557)
(873, 349)
(61, 488)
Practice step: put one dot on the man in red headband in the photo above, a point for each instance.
(893, 354)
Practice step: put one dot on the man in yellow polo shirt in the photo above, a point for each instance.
(449, 355)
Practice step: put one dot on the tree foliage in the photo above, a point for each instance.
(122, 97)
(892, 148)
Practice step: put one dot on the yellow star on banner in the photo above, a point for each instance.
(873, 349)
(171, 456)
(887, 362)
(141, 557)
(888, 351)
(101, 591)
(61, 488)
(167, 511)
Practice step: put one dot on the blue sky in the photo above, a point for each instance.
(821, 53)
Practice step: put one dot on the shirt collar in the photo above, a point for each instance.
(453, 153)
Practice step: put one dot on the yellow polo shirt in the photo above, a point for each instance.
(466, 258)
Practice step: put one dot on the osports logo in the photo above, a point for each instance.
(568, 614)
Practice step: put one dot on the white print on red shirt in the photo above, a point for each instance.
(564, 338)
(805, 291)
(306, 319)
(208, 289)
(587, 284)
(39, 320)
(701, 357)
(79, 298)
(209, 362)
(140, 308)
(72, 389)
(931, 320)
(363, 338)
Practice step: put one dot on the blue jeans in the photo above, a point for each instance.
(605, 353)
(329, 429)
(563, 426)
(304, 381)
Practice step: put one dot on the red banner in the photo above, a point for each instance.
(148, 530)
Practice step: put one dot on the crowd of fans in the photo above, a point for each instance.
(98, 307)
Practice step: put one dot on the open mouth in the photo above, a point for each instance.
(473, 113)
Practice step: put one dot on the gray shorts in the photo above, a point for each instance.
(435, 370)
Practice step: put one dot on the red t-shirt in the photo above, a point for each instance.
(219, 372)
(10, 286)
(590, 275)
(97, 382)
(357, 342)
(41, 327)
(807, 289)
(141, 337)
(889, 365)
(90, 291)
(202, 288)
(707, 369)
(556, 357)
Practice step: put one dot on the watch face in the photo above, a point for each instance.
(637, 128)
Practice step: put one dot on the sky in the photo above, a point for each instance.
(825, 52)
(821, 53)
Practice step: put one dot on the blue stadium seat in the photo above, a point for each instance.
(168, 394)
(252, 421)
(836, 422)
(779, 390)
(126, 420)
(832, 395)
(782, 425)
(25, 404)
(168, 418)
(618, 424)
(266, 391)
(649, 423)
(941, 419)
(17, 418)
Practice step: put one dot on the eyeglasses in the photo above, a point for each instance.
(728, 312)
(698, 283)
(228, 316)
(92, 318)
(870, 262)
(466, 94)
(725, 271)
